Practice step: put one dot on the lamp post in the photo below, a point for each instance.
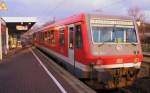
(0, 40)
(3, 7)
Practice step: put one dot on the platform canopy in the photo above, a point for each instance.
(19, 19)
(19, 24)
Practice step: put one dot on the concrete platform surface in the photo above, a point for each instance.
(23, 73)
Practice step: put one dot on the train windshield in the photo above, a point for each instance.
(113, 34)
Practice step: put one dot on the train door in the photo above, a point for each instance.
(71, 43)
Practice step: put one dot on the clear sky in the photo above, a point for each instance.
(45, 10)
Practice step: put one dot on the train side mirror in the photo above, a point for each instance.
(138, 23)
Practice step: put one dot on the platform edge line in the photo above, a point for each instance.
(49, 73)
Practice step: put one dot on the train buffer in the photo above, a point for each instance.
(30, 71)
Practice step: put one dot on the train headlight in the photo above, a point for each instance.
(99, 62)
(119, 60)
(136, 60)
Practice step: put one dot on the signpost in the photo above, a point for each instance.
(3, 6)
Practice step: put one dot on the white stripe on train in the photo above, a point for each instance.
(136, 65)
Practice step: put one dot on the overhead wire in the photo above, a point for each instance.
(110, 5)
(114, 3)
(53, 10)
(57, 6)
(60, 3)
(104, 7)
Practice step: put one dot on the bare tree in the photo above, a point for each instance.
(139, 16)
(136, 13)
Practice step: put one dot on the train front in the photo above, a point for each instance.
(116, 46)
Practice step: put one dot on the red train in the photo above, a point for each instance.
(98, 48)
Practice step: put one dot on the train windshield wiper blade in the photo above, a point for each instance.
(133, 43)
(104, 42)
(101, 44)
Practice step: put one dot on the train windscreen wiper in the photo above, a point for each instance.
(101, 44)
(132, 43)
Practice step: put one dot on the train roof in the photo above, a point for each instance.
(80, 17)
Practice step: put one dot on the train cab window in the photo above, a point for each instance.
(131, 35)
(118, 35)
(62, 38)
(78, 36)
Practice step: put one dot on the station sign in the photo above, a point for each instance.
(20, 27)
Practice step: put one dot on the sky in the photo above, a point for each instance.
(46, 10)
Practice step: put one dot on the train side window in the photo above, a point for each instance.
(61, 35)
(71, 31)
(42, 35)
(45, 36)
(34, 36)
(38, 35)
(52, 38)
(78, 37)
(49, 33)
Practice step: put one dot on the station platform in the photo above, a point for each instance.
(146, 53)
(146, 57)
(30, 71)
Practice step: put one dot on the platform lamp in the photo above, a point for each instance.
(3, 7)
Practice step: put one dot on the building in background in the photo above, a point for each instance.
(16, 27)
(11, 29)
(144, 30)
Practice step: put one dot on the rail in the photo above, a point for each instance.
(145, 67)
(124, 90)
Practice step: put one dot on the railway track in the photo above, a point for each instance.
(145, 67)
(137, 87)
(124, 90)
(141, 85)
(121, 90)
